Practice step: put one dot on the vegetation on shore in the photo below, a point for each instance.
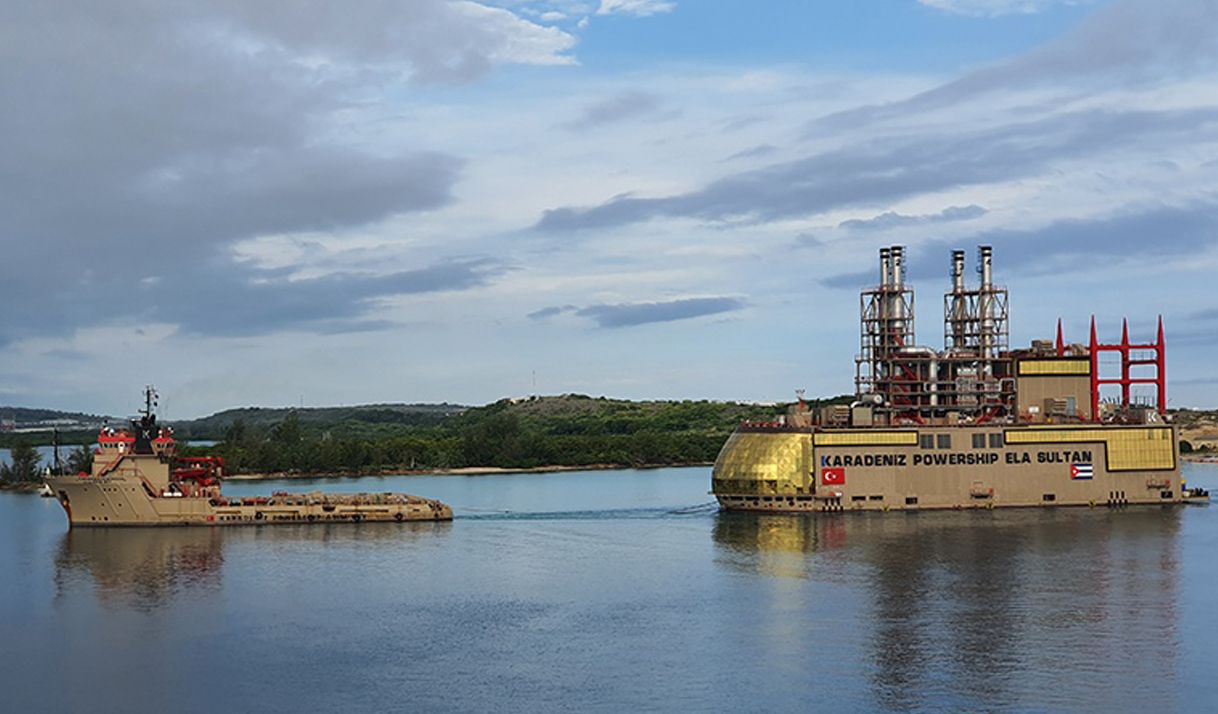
(263, 419)
(570, 430)
(24, 470)
(45, 438)
(22, 467)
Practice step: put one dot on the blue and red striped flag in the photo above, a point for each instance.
(1080, 472)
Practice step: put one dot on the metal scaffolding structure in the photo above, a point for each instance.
(971, 376)
(976, 322)
(887, 325)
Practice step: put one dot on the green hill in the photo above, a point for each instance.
(216, 426)
(569, 430)
(23, 415)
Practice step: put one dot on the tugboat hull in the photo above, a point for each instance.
(125, 501)
(139, 480)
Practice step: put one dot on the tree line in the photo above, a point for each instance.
(25, 463)
(504, 434)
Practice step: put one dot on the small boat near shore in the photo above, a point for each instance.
(139, 480)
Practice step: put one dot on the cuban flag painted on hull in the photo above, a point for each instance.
(1080, 472)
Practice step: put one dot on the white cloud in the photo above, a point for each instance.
(518, 41)
(432, 41)
(994, 8)
(262, 139)
(638, 8)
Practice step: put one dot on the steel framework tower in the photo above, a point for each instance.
(970, 376)
(887, 328)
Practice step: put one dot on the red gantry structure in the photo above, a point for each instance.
(1132, 355)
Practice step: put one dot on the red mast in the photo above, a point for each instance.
(1093, 350)
(1126, 349)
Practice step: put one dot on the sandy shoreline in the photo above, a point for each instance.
(21, 486)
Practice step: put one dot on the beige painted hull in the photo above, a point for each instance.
(126, 500)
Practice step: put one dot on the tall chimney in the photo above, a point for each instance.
(986, 307)
(885, 268)
(896, 306)
(957, 271)
(957, 305)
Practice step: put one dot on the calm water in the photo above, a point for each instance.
(613, 591)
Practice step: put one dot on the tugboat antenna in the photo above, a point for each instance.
(150, 400)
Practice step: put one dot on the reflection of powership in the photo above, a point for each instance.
(975, 425)
(138, 480)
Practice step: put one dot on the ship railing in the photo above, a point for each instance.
(771, 426)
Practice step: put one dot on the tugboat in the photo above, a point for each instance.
(139, 480)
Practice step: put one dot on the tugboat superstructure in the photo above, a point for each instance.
(139, 480)
(974, 425)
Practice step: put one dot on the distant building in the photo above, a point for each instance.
(30, 427)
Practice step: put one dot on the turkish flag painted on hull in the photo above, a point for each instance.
(833, 477)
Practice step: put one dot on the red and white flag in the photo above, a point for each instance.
(833, 477)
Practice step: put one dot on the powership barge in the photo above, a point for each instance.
(974, 425)
(138, 480)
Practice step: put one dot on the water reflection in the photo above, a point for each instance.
(146, 568)
(977, 606)
(774, 544)
(142, 566)
(941, 588)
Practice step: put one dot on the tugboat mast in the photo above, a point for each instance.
(150, 400)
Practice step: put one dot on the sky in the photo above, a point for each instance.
(278, 203)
